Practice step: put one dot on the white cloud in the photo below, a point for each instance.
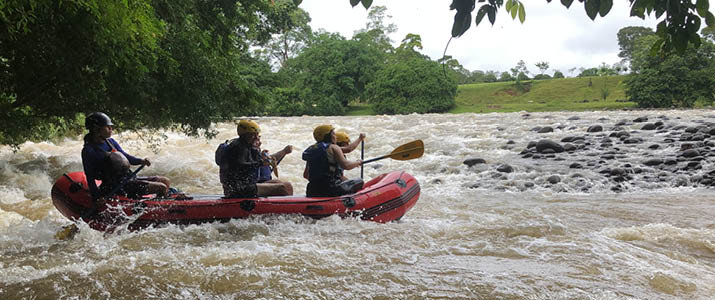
(564, 38)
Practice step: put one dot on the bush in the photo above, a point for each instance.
(413, 85)
(558, 74)
(542, 77)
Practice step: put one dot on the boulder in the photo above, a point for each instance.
(543, 145)
(474, 161)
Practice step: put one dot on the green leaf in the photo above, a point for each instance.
(354, 2)
(492, 14)
(710, 19)
(695, 39)
(655, 48)
(480, 14)
(462, 22)
(522, 13)
(606, 6)
(661, 28)
(592, 8)
(366, 3)
(514, 11)
(297, 2)
(702, 7)
(508, 5)
(567, 3)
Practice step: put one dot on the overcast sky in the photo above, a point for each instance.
(565, 38)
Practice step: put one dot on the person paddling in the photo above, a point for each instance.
(239, 162)
(325, 163)
(343, 141)
(105, 160)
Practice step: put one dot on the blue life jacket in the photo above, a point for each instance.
(320, 170)
(264, 174)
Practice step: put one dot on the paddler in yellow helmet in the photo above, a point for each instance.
(325, 163)
(239, 162)
(342, 139)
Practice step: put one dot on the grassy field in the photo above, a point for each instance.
(565, 94)
(359, 109)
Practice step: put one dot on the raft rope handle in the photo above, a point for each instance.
(75, 186)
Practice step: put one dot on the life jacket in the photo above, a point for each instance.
(233, 175)
(320, 170)
(264, 174)
(113, 167)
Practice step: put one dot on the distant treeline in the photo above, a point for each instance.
(186, 64)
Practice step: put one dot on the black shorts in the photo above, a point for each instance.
(139, 186)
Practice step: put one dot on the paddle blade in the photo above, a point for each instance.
(408, 151)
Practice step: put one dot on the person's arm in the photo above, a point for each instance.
(132, 159)
(244, 159)
(306, 172)
(349, 148)
(340, 158)
(280, 154)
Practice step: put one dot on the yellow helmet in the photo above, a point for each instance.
(321, 131)
(247, 126)
(342, 137)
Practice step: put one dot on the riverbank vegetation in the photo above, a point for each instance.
(185, 64)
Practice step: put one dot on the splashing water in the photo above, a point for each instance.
(476, 232)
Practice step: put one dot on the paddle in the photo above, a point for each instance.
(68, 232)
(408, 151)
(362, 155)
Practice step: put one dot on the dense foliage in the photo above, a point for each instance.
(674, 80)
(412, 84)
(329, 73)
(146, 63)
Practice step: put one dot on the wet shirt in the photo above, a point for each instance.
(239, 170)
(94, 162)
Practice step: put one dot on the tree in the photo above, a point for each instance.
(414, 85)
(376, 29)
(678, 29)
(505, 76)
(673, 80)
(456, 70)
(148, 64)
(331, 72)
(588, 72)
(558, 74)
(708, 33)
(543, 66)
(293, 36)
(627, 37)
(490, 76)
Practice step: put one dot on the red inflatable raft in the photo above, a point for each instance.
(383, 199)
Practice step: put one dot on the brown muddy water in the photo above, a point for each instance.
(647, 232)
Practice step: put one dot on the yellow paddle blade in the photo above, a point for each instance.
(67, 232)
(408, 151)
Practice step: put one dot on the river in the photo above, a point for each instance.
(475, 232)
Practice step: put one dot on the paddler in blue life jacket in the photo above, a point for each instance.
(239, 165)
(325, 163)
(105, 160)
(270, 162)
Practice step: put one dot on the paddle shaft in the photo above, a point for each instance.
(362, 156)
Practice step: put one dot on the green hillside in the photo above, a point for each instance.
(565, 94)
